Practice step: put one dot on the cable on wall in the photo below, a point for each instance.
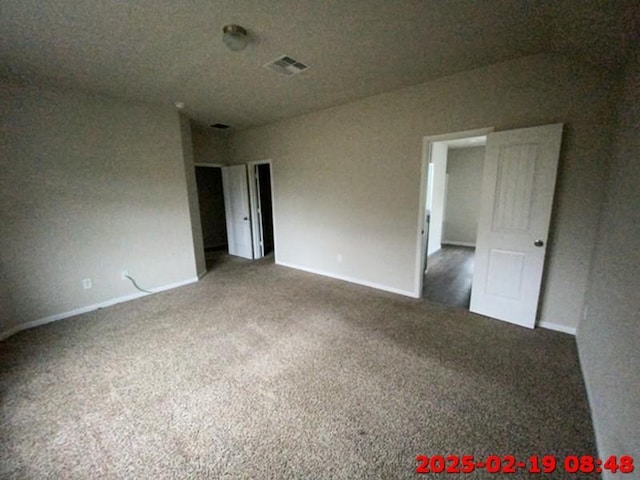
(136, 285)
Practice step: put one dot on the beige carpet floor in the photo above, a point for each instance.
(259, 371)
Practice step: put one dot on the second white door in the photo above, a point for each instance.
(236, 205)
(517, 196)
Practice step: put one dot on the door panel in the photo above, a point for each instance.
(517, 197)
(236, 202)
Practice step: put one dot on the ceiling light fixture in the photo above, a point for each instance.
(235, 37)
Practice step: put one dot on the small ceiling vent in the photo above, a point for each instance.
(286, 66)
(221, 126)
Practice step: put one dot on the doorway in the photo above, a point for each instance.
(452, 207)
(212, 212)
(248, 196)
(261, 201)
(518, 183)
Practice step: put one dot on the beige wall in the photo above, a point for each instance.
(464, 188)
(192, 192)
(347, 179)
(609, 335)
(89, 186)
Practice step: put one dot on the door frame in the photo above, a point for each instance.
(253, 207)
(427, 141)
(208, 165)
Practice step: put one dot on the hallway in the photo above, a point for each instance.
(449, 276)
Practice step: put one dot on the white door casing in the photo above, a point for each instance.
(236, 205)
(517, 196)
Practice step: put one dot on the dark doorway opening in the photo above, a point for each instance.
(212, 214)
(263, 173)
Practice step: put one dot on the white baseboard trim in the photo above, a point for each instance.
(90, 308)
(345, 278)
(557, 327)
(459, 244)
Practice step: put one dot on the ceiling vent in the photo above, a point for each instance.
(221, 126)
(286, 66)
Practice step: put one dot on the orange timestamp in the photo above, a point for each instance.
(533, 464)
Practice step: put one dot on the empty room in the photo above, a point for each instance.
(227, 232)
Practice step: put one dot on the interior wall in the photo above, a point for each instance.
(192, 194)
(211, 201)
(464, 189)
(438, 196)
(209, 145)
(608, 335)
(90, 186)
(347, 179)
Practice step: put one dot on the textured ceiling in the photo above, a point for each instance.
(164, 51)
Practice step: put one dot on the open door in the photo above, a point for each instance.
(261, 202)
(236, 203)
(517, 196)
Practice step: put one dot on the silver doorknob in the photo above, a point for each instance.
(539, 243)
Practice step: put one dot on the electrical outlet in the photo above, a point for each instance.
(124, 274)
(87, 283)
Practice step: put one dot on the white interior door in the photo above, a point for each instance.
(517, 196)
(236, 206)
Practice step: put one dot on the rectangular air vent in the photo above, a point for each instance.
(286, 66)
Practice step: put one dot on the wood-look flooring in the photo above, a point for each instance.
(449, 276)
